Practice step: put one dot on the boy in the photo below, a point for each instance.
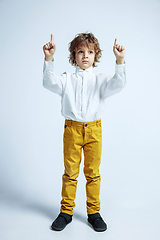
(82, 97)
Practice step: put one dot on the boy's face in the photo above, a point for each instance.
(84, 56)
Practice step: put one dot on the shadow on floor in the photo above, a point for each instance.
(42, 209)
(32, 205)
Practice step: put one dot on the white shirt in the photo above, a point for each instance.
(83, 93)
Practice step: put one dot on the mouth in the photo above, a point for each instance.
(85, 61)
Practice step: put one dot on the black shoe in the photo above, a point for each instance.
(61, 221)
(97, 222)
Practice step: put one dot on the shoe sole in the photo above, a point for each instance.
(97, 229)
(56, 229)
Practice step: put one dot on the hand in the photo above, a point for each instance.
(49, 49)
(119, 52)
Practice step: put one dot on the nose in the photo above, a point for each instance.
(86, 54)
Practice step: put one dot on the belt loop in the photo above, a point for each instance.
(98, 123)
(69, 123)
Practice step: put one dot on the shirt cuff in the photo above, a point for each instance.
(119, 68)
(49, 65)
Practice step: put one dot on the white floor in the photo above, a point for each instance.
(29, 220)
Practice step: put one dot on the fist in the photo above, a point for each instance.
(119, 52)
(49, 49)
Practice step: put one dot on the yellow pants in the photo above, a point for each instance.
(76, 136)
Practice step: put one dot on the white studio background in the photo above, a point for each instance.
(31, 125)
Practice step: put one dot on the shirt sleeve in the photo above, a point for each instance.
(51, 81)
(113, 85)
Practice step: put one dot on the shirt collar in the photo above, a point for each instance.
(80, 70)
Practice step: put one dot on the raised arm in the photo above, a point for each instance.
(51, 81)
(115, 84)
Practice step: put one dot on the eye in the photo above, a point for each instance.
(80, 51)
(90, 52)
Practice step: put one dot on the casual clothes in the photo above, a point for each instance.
(83, 96)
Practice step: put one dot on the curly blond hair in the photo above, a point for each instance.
(84, 39)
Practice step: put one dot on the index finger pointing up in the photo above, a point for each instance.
(52, 38)
(115, 42)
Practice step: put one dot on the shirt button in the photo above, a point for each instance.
(85, 125)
